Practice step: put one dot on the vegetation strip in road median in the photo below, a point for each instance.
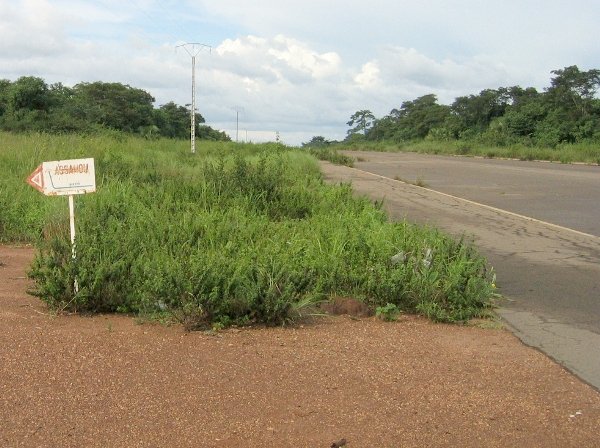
(237, 233)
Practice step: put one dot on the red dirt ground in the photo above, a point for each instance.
(74, 381)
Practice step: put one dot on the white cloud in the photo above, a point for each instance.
(278, 59)
(299, 67)
(299, 57)
(30, 29)
(368, 76)
(239, 47)
(410, 73)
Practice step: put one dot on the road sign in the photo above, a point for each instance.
(64, 177)
(36, 179)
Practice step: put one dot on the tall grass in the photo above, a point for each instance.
(564, 153)
(331, 155)
(234, 233)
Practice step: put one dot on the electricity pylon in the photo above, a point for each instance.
(193, 48)
(237, 121)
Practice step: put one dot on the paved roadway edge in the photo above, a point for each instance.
(516, 327)
(479, 204)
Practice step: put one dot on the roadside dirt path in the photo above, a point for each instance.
(549, 274)
(74, 381)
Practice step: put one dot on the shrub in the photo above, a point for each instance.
(233, 234)
(389, 312)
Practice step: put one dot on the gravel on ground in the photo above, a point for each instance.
(111, 381)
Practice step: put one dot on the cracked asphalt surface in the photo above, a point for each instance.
(537, 223)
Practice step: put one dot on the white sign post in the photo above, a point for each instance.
(65, 177)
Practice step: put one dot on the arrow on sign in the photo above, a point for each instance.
(36, 179)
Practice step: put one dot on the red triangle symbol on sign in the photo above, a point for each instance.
(36, 179)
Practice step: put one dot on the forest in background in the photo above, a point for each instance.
(30, 104)
(567, 112)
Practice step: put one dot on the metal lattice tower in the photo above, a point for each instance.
(193, 48)
(237, 121)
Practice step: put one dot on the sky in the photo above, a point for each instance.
(298, 68)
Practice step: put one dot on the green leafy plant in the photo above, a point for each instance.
(389, 312)
(233, 235)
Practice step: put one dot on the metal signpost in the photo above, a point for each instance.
(65, 177)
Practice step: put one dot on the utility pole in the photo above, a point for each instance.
(193, 48)
(237, 121)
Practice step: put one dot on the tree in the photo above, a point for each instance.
(524, 112)
(317, 141)
(414, 120)
(523, 120)
(362, 121)
(573, 90)
(207, 133)
(60, 95)
(24, 104)
(4, 92)
(28, 93)
(384, 128)
(477, 111)
(519, 96)
(30, 104)
(173, 121)
(570, 103)
(113, 105)
(418, 117)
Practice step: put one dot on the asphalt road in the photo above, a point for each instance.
(537, 223)
(566, 195)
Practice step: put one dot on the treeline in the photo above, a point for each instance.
(566, 112)
(30, 104)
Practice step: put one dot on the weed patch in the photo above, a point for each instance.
(331, 155)
(389, 312)
(564, 153)
(235, 234)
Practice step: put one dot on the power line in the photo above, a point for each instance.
(185, 22)
(193, 49)
(159, 25)
(164, 17)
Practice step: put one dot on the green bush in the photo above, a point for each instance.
(546, 148)
(389, 312)
(233, 234)
(331, 155)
